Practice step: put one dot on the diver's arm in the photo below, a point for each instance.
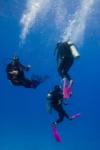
(25, 68)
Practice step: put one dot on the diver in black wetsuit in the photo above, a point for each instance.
(64, 60)
(15, 73)
(55, 100)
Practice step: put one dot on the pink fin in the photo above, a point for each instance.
(67, 91)
(56, 135)
(75, 116)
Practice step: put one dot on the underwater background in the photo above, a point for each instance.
(30, 29)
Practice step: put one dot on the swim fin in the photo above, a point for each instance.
(67, 91)
(56, 134)
(75, 116)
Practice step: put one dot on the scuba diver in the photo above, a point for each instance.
(15, 73)
(64, 60)
(66, 52)
(55, 101)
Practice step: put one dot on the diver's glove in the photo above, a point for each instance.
(28, 67)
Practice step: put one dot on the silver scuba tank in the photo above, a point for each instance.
(74, 50)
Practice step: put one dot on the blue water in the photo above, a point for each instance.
(24, 121)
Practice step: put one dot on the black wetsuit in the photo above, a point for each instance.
(56, 98)
(64, 60)
(20, 79)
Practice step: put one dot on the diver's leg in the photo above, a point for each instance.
(37, 80)
(67, 66)
(61, 117)
(66, 115)
(61, 114)
(35, 83)
(60, 68)
(27, 83)
(69, 79)
(59, 120)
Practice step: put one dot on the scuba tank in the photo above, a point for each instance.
(74, 50)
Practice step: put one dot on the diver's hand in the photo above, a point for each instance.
(28, 67)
